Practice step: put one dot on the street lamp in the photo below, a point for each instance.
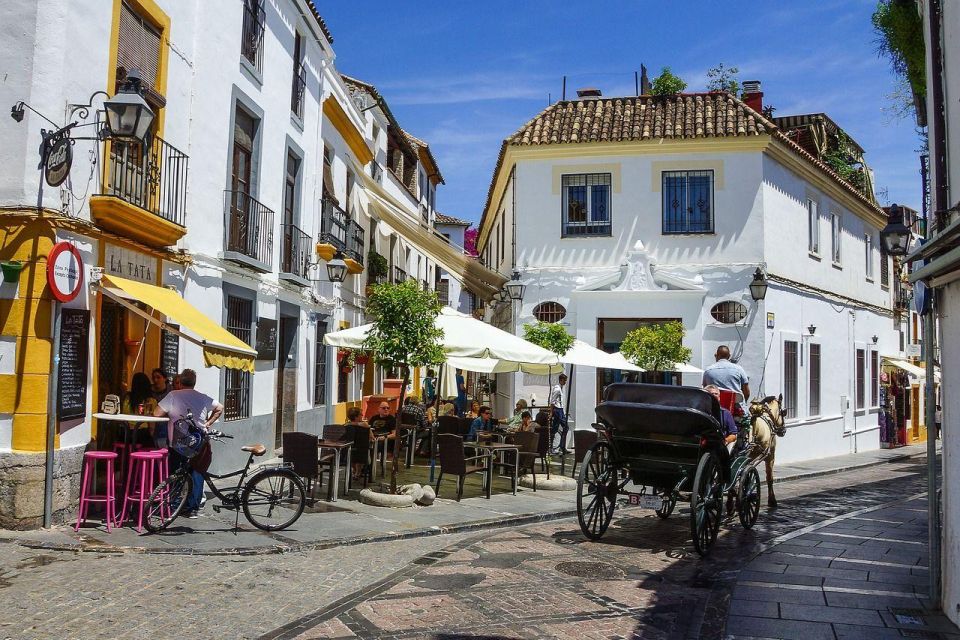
(812, 329)
(515, 288)
(896, 235)
(758, 286)
(337, 268)
(128, 115)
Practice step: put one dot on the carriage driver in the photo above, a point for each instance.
(725, 374)
(727, 422)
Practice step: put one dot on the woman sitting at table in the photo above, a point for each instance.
(481, 423)
(139, 401)
(475, 410)
(526, 422)
(448, 409)
(514, 423)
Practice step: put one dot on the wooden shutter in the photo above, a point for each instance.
(139, 46)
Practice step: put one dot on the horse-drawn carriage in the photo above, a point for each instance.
(668, 441)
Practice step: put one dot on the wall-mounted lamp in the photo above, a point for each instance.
(875, 339)
(758, 286)
(812, 329)
(337, 268)
(515, 288)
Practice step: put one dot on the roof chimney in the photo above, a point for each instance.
(645, 88)
(752, 96)
(589, 93)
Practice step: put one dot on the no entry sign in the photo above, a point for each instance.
(64, 271)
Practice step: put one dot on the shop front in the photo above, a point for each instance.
(901, 401)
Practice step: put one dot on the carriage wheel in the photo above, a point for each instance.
(748, 498)
(706, 503)
(596, 491)
(669, 504)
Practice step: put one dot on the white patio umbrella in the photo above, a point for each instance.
(679, 367)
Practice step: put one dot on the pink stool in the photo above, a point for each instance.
(87, 489)
(146, 472)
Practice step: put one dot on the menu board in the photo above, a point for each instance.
(266, 339)
(170, 351)
(74, 356)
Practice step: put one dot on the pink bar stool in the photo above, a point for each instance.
(87, 495)
(146, 469)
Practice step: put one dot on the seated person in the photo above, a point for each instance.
(448, 409)
(526, 422)
(475, 410)
(413, 412)
(513, 423)
(727, 423)
(382, 423)
(482, 422)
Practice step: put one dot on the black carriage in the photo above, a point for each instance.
(668, 441)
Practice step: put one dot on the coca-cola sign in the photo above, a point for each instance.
(58, 158)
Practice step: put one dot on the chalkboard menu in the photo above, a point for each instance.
(170, 351)
(266, 339)
(74, 355)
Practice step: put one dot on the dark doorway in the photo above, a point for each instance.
(286, 404)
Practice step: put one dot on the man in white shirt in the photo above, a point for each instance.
(559, 418)
(176, 405)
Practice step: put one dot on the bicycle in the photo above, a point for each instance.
(272, 498)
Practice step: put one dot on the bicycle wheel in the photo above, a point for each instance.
(167, 501)
(273, 499)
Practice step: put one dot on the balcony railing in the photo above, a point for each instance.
(903, 298)
(443, 292)
(376, 172)
(399, 275)
(152, 178)
(294, 251)
(251, 42)
(249, 227)
(355, 241)
(334, 225)
(299, 89)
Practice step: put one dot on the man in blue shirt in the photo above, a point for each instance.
(727, 375)
(480, 423)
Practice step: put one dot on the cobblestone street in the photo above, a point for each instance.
(536, 581)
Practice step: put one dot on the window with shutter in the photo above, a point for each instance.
(138, 46)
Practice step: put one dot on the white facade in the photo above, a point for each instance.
(636, 272)
(457, 296)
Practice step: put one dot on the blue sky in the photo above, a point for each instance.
(464, 75)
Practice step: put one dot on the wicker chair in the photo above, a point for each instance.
(300, 451)
(529, 444)
(454, 461)
(583, 439)
(363, 450)
(336, 433)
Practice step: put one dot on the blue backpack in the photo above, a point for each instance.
(188, 437)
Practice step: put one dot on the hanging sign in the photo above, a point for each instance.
(64, 271)
(57, 153)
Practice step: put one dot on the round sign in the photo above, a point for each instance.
(64, 271)
(58, 160)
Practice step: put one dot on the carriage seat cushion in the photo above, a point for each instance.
(665, 395)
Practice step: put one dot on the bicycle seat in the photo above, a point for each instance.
(255, 449)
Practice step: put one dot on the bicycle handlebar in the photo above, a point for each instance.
(219, 435)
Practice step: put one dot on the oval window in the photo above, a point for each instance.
(549, 312)
(729, 312)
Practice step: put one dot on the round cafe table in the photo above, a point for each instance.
(130, 422)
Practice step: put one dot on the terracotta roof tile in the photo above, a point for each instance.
(320, 20)
(443, 218)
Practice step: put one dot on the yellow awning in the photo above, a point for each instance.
(220, 347)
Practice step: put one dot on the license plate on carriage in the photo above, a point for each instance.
(645, 501)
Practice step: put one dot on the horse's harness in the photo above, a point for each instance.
(762, 411)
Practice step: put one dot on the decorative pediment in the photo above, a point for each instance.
(640, 272)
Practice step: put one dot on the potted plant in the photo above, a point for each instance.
(377, 269)
(11, 270)
(657, 348)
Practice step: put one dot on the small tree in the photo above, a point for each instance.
(656, 347)
(405, 335)
(721, 78)
(549, 335)
(667, 84)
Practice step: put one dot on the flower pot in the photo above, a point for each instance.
(11, 270)
(132, 346)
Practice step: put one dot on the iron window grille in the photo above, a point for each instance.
(813, 222)
(861, 382)
(688, 202)
(874, 379)
(299, 88)
(443, 292)
(320, 368)
(236, 396)
(729, 312)
(868, 255)
(884, 267)
(549, 312)
(251, 43)
(790, 378)
(814, 379)
(586, 205)
(835, 237)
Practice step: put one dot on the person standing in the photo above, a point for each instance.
(429, 387)
(559, 423)
(160, 384)
(205, 411)
(461, 402)
(725, 374)
(938, 419)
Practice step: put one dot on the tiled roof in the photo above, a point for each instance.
(692, 115)
(443, 218)
(320, 21)
(685, 116)
(420, 144)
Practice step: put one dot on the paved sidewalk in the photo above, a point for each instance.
(862, 575)
(347, 521)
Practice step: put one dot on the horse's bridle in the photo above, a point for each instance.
(776, 424)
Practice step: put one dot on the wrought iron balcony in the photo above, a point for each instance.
(903, 298)
(251, 38)
(299, 90)
(443, 292)
(399, 275)
(355, 242)
(295, 251)
(249, 227)
(152, 178)
(334, 225)
(376, 172)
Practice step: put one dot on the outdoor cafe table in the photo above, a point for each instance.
(129, 422)
(498, 447)
(337, 446)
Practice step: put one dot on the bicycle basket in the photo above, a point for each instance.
(188, 437)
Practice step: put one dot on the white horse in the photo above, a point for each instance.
(766, 424)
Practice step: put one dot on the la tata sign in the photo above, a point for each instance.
(64, 271)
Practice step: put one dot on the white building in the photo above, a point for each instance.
(262, 165)
(624, 211)
(451, 292)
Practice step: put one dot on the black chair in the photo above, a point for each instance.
(337, 433)
(363, 449)
(300, 451)
(448, 424)
(543, 447)
(583, 439)
(528, 442)
(454, 461)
